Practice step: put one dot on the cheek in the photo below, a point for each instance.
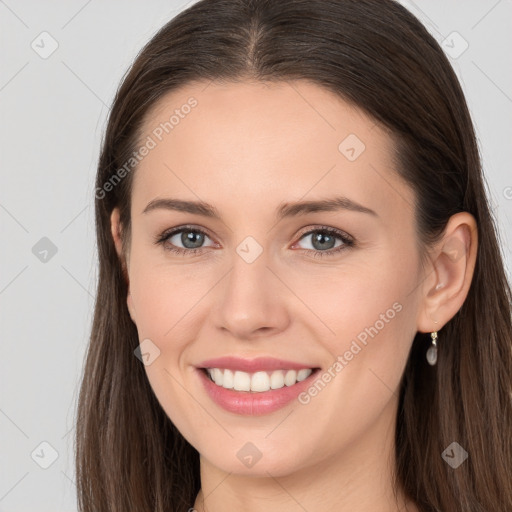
(164, 296)
(373, 320)
(355, 299)
(369, 321)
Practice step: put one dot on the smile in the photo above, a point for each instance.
(256, 382)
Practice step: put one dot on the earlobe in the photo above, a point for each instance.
(450, 273)
(131, 309)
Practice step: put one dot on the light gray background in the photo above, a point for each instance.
(53, 113)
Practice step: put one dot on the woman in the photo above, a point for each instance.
(301, 302)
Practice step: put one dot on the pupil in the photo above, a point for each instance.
(188, 237)
(322, 238)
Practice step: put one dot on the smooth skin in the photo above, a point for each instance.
(246, 149)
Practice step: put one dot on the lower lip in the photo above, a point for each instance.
(254, 403)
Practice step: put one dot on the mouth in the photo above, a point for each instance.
(254, 387)
(256, 382)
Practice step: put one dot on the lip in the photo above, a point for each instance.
(259, 364)
(250, 403)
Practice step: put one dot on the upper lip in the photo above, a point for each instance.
(253, 365)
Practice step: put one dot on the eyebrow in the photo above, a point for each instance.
(283, 210)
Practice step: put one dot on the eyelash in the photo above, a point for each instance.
(347, 240)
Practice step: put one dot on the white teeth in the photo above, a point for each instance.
(218, 376)
(242, 381)
(277, 380)
(227, 381)
(303, 374)
(290, 378)
(258, 381)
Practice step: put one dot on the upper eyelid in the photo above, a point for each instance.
(173, 231)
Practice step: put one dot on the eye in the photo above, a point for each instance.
(190, 237)
(323, 241)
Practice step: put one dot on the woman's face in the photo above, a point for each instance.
(266, 287)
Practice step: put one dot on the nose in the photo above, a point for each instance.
(251, 301)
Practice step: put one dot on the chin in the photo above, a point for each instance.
(258, 459)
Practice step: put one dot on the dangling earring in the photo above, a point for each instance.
(432, 351)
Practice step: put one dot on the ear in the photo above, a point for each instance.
(449, 276)
(117, 231)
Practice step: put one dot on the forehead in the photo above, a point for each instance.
(250, 143)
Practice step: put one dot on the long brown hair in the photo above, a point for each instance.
(376, 55)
